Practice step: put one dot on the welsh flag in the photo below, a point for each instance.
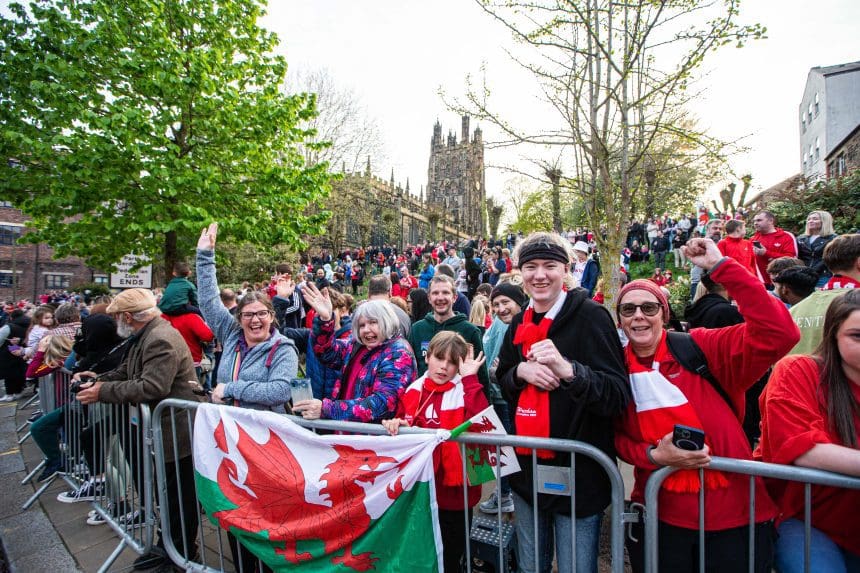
(303, 502)
(482, 462)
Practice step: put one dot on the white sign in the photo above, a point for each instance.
(123, 278)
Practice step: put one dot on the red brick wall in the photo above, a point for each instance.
(34, 262)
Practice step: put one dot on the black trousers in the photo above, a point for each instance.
(726, 551)
(452, 526)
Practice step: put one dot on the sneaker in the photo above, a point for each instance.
(491, 505)
(50, 470)
(154, 558)
(89, 491)
(34, 416)
(8, 398)
(132, 520)
(95, 518)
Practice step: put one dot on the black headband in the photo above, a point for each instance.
(545, 251)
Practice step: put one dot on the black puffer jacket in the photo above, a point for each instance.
(712, 311)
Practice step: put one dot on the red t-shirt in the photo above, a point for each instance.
(793, 421)
(777, 244)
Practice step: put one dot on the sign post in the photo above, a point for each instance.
(123, 278)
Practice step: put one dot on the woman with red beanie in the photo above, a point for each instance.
(665, 394)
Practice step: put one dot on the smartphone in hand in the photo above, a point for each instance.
(757, 245)
(687, 438)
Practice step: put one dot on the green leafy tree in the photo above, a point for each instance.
(127, 126)
(839, 197)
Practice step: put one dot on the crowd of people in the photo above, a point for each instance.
(772, 334)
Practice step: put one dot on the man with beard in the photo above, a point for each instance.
(157, 365)
(442, 296)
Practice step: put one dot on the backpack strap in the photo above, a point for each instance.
(690, 356)
(274, 349)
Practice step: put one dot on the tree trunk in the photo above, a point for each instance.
(170, 256)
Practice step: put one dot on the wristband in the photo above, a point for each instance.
(650, 457)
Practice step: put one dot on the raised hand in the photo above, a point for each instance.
(472, 364)
(206, 242)
(319, 301)
(285, 287)
(702, 252)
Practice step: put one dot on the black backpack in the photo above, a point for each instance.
(690, 356)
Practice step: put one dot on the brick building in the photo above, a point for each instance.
(32, 265)
(845, 157)
(455, 178)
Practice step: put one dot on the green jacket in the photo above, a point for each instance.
(426, 328)
(808, 315)
(178, 293)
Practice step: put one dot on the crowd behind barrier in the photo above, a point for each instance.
(107, 461)
(212, 555)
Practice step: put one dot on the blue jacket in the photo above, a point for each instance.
(266, 369)
(589, 276)
(425, 276)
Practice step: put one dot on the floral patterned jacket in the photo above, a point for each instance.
(382, 377)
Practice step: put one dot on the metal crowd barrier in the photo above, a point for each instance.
(105, 447)
(752, 469)
(211, 541)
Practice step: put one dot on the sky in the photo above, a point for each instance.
(396, 56)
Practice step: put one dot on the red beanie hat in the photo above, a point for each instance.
(649, 286)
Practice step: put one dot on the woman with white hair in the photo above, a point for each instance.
(810, 245)
(376, 362)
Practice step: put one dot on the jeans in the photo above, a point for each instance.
(45, 433)
(824, 555)
(555, 527)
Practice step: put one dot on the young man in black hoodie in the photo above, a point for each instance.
(561, 369)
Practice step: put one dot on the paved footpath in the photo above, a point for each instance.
(49, 536)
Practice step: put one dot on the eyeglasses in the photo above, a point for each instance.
(261, 314)
(628, 309)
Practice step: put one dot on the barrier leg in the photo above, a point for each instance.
(23, 438)
(33, 473)
(112, 557)
(30, 401)
(39, 492)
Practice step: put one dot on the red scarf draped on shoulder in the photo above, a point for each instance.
(419, 403)
(659, 406)
(532, 413)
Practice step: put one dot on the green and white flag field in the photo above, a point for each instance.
(304, 502)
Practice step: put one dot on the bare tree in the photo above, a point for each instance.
(346, 134)
(616, 75)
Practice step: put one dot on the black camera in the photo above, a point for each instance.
(77, 386)
(688, 438)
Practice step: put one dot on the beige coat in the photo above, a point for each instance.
(158, 365)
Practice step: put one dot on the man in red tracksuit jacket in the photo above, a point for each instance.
(775, 243)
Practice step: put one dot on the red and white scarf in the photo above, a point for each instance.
(418, 401)
(840, 281)
(659, 406)
(532, 414)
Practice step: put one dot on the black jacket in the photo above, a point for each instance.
(583, 409)
(712, 311)
(812, 252)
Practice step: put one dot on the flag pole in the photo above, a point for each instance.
(460, 429)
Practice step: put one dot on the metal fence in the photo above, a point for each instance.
(211, 542)
(107, 460)
(753, 469)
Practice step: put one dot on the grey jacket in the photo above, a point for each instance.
(258, 386)
(158, 365)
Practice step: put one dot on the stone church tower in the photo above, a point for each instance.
(455, 177)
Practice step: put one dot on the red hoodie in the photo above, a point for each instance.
(778, 244)
(739, 249)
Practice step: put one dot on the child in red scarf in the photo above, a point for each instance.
(444, 399)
